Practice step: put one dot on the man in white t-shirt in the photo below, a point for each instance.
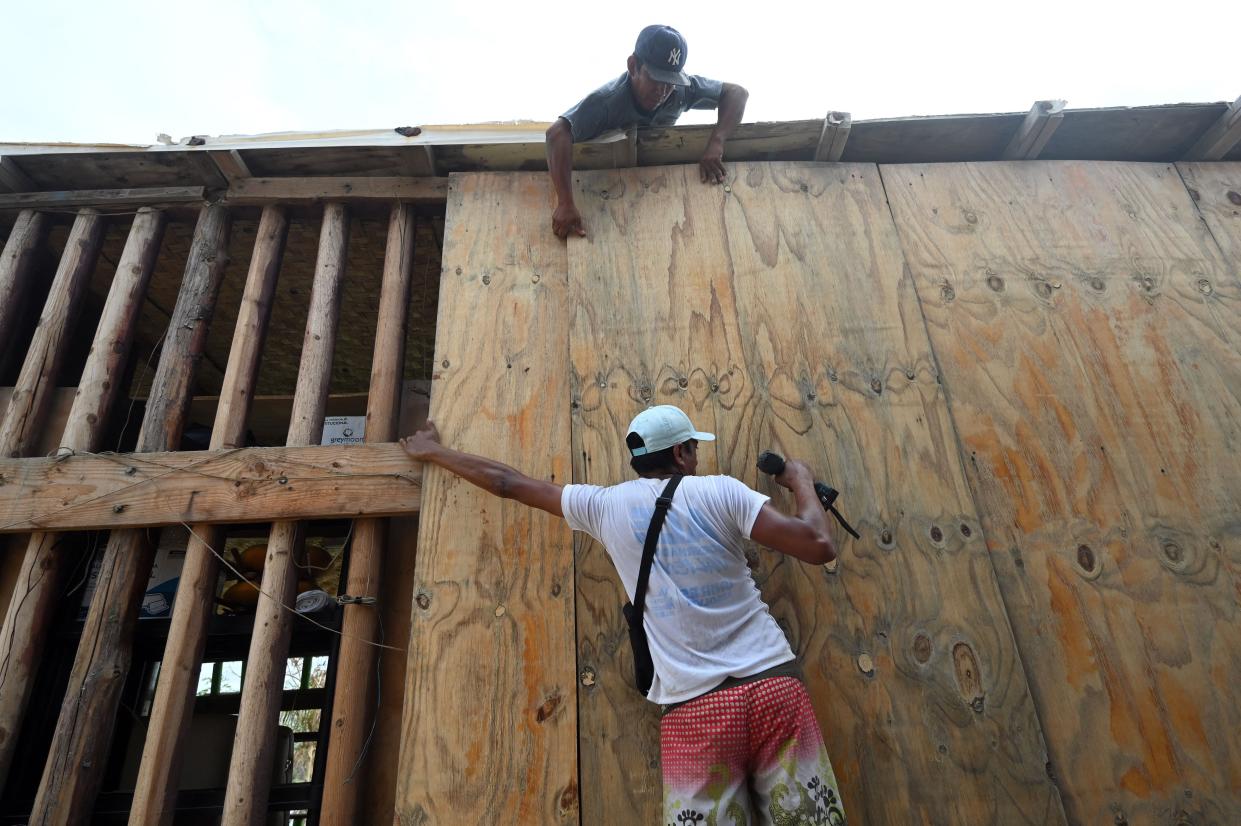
(738, 737)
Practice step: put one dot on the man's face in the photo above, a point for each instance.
(648, 92)
(689, 457)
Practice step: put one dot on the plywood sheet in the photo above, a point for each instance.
(778, 312)
(1086, 326)
(1216, 190)
(489, 723)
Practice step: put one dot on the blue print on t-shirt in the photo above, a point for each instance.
(695, 560)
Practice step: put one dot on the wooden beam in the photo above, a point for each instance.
(1220, 138)
(12, 178)
(143, 196)
(41, 369)
(247, 192)
(230, 163)
(353, 704)
(82, 739)
(833, 137)
(249, 775)
(255, 484)
(155, 791)
(29, 616)
(209, 174)
(303, 190)
(1040, 124)
(16, 266)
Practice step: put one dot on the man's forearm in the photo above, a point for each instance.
(809, 508)
(494, 477)
(731, 110)
(560, 163)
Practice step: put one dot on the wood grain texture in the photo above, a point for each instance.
(352, 708)
(312, 190)
(784, 320)
(12, 178)
(1086, 327)
(147, 196)
(23, 417)
(250, 769)
(1217, 141)
(13, 553)
(16, 268)
(173, 385)
(98, 492)
(379, 771)
(77, 757)
(29, 616)
(250, 331)
(1216, 190)
(105, 365)
(489, 724)
(155, 790)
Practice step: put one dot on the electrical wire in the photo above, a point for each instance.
(243, 578)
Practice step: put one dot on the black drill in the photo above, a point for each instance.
(773, 464)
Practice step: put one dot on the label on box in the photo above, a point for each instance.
(344, 430)
(165, 575)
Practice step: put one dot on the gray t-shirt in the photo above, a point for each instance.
(611, 106)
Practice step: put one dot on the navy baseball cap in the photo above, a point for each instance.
(663, 52)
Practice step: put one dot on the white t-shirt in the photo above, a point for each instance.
(705, 619)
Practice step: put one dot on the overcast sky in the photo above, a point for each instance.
(122, 71)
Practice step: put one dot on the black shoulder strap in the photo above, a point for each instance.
(652, 539)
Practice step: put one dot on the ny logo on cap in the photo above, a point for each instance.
(674, 57)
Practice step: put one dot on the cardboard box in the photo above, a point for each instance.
(165, 575)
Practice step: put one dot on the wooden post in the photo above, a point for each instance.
(40, 370)
(353, 706)
(1035, 131)
(26, 622)
(1220, 138)
(83, 734)
(16, 263)
(835, 134)
(155, 793)
(249, 776)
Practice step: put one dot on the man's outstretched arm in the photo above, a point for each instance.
(566, 219)
(494, 477)
(805, 535)
(731, 110)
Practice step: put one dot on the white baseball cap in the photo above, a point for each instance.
(662, 427)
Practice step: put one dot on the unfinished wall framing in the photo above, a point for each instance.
(131, 343)
(1024, 376)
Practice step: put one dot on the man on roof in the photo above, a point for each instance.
(654, 91)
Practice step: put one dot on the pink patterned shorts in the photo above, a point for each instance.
(748, 754)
